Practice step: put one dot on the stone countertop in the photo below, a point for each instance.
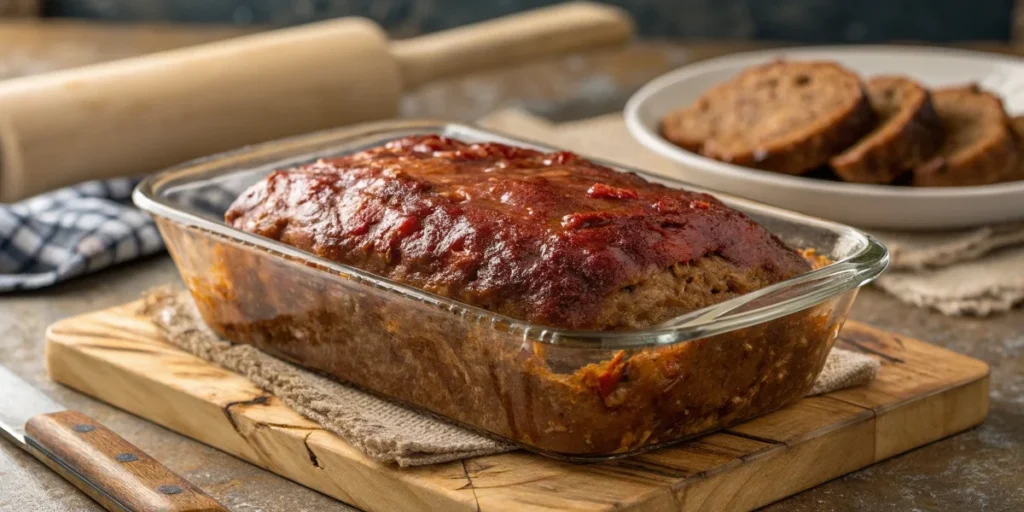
(976, 470)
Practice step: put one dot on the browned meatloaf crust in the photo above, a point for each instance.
(787, 117)
(909, 132)
(549, 238)
(980, 147)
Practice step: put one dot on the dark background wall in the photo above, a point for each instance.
(788, 20)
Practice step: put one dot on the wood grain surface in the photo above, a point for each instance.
(142, 114)
(108, 468)
(922, 393)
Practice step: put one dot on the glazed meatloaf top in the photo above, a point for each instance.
(550, 238)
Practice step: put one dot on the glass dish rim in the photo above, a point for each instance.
(824, 283)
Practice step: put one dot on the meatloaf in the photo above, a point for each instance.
(549, 238)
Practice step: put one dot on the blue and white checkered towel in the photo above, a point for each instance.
(72, 231)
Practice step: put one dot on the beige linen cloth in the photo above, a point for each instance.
(384, 431)
(976, 271)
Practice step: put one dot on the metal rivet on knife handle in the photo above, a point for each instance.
(126, 457)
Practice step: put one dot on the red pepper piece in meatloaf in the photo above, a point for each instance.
(550, 238)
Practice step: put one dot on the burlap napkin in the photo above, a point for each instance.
(384, 431)
(978, 271)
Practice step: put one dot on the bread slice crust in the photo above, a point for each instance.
(1017, 127)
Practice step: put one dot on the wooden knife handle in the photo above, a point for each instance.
(508, 40)
(108, 468)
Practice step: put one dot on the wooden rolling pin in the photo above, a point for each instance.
(138, 115)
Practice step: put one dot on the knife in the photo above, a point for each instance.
(112, 471)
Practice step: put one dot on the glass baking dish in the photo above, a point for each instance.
(570, 394)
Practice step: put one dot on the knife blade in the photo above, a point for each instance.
(112, 471)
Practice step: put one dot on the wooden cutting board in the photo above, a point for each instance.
(923, 393)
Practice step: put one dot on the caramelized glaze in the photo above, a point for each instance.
(544, 237)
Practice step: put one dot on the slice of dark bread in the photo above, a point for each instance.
(787, 117)
(1017, 126)
(980, 147)
(1017, 123)
(908, 134)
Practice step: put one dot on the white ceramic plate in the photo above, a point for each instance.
(871, 206)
